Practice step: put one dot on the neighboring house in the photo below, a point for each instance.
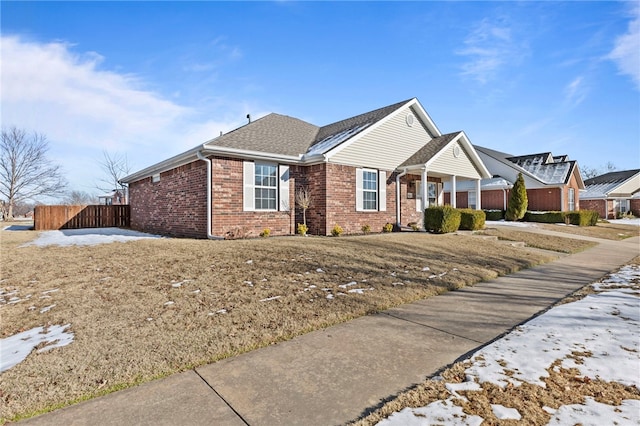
(613, 194)
(365, 170)
(553, 182)
(113, 198)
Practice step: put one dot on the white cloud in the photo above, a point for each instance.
(626, 50)
(489, 47)
(83, 109)
(576, 91)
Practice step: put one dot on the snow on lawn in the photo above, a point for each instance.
(15, 349)
(87, 237)
(602, 326)
(490, 223)
(634, 221)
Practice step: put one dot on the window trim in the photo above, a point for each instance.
(249, 186)
(380, 191)
(267, 187)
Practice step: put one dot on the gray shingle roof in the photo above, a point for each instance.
(274, 133)
(612, 177)
(427, 152)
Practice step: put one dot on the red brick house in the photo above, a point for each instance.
(553, 182)
(365, 170)
(613, 194)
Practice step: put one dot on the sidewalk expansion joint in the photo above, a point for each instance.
(222, 398)
(433, 328)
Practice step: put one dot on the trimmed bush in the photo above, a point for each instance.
(366, 228)
(544, 217)
(337, 231)
(518, 201)
(441, 219)
(583, 217)
(302, 229)
(388, 227)
(472, 220)
(494, 214)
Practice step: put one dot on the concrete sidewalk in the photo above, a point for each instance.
(335, 375)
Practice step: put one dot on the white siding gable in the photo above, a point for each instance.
(386, 146)
(629, 187)
(454, 160)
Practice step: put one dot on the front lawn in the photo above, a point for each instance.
(149, 308)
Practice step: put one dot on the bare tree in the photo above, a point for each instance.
(114, 167)
(303, 200)
(591, 172)
(25, 170)
(75, 198)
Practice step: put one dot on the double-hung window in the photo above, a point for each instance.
(266, 186)
(371, 188)
(572, 199)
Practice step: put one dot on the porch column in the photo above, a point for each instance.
(478, 196)
(424, 190)
(453, 191)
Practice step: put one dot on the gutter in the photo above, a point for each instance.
(398, 196)
(209, 197)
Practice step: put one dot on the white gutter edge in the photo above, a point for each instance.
(209, 197)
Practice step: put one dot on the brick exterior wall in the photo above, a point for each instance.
(635, 207)
(408, 210)
(175, 206)
(227, 207)
(341, 202)
(494, 199)
(597, 205)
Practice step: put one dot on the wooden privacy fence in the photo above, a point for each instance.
(76, 217)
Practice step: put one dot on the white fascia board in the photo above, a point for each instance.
(168, 164)
(413, 102)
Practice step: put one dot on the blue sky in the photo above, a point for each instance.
(151, 79)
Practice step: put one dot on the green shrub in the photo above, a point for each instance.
(545, 217)
(494, 214)
(518, 201)
(583, 217)
(441, 219)
(366, 228)
(337, 231)
(472, 220)
(302, 229)
(388, 227)
(414, 226)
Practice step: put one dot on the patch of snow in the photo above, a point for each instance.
(505, 413)
(53, 290)
(601, 326)
(635, 221)
(319, 270)
(425, 269)
(169, 303)
(87, 237)
(348, 284)
(270, 298)
(249, 262)
(360, 290)
(329, 296)
(510, 223)
(179, 284)
(15, 349)
(47, 308)
(436, 413)
(595, 413)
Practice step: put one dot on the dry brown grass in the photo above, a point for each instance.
(608, 231)
(563, 387)
(115, 298)
(541, 241)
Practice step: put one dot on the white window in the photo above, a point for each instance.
(471, 199)
(432, 192)
(572, 199)
(371, 188)
(266, 186)
(623, 206)
(155, 178)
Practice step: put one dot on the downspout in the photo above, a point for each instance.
(398, 196)
(209, 198)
